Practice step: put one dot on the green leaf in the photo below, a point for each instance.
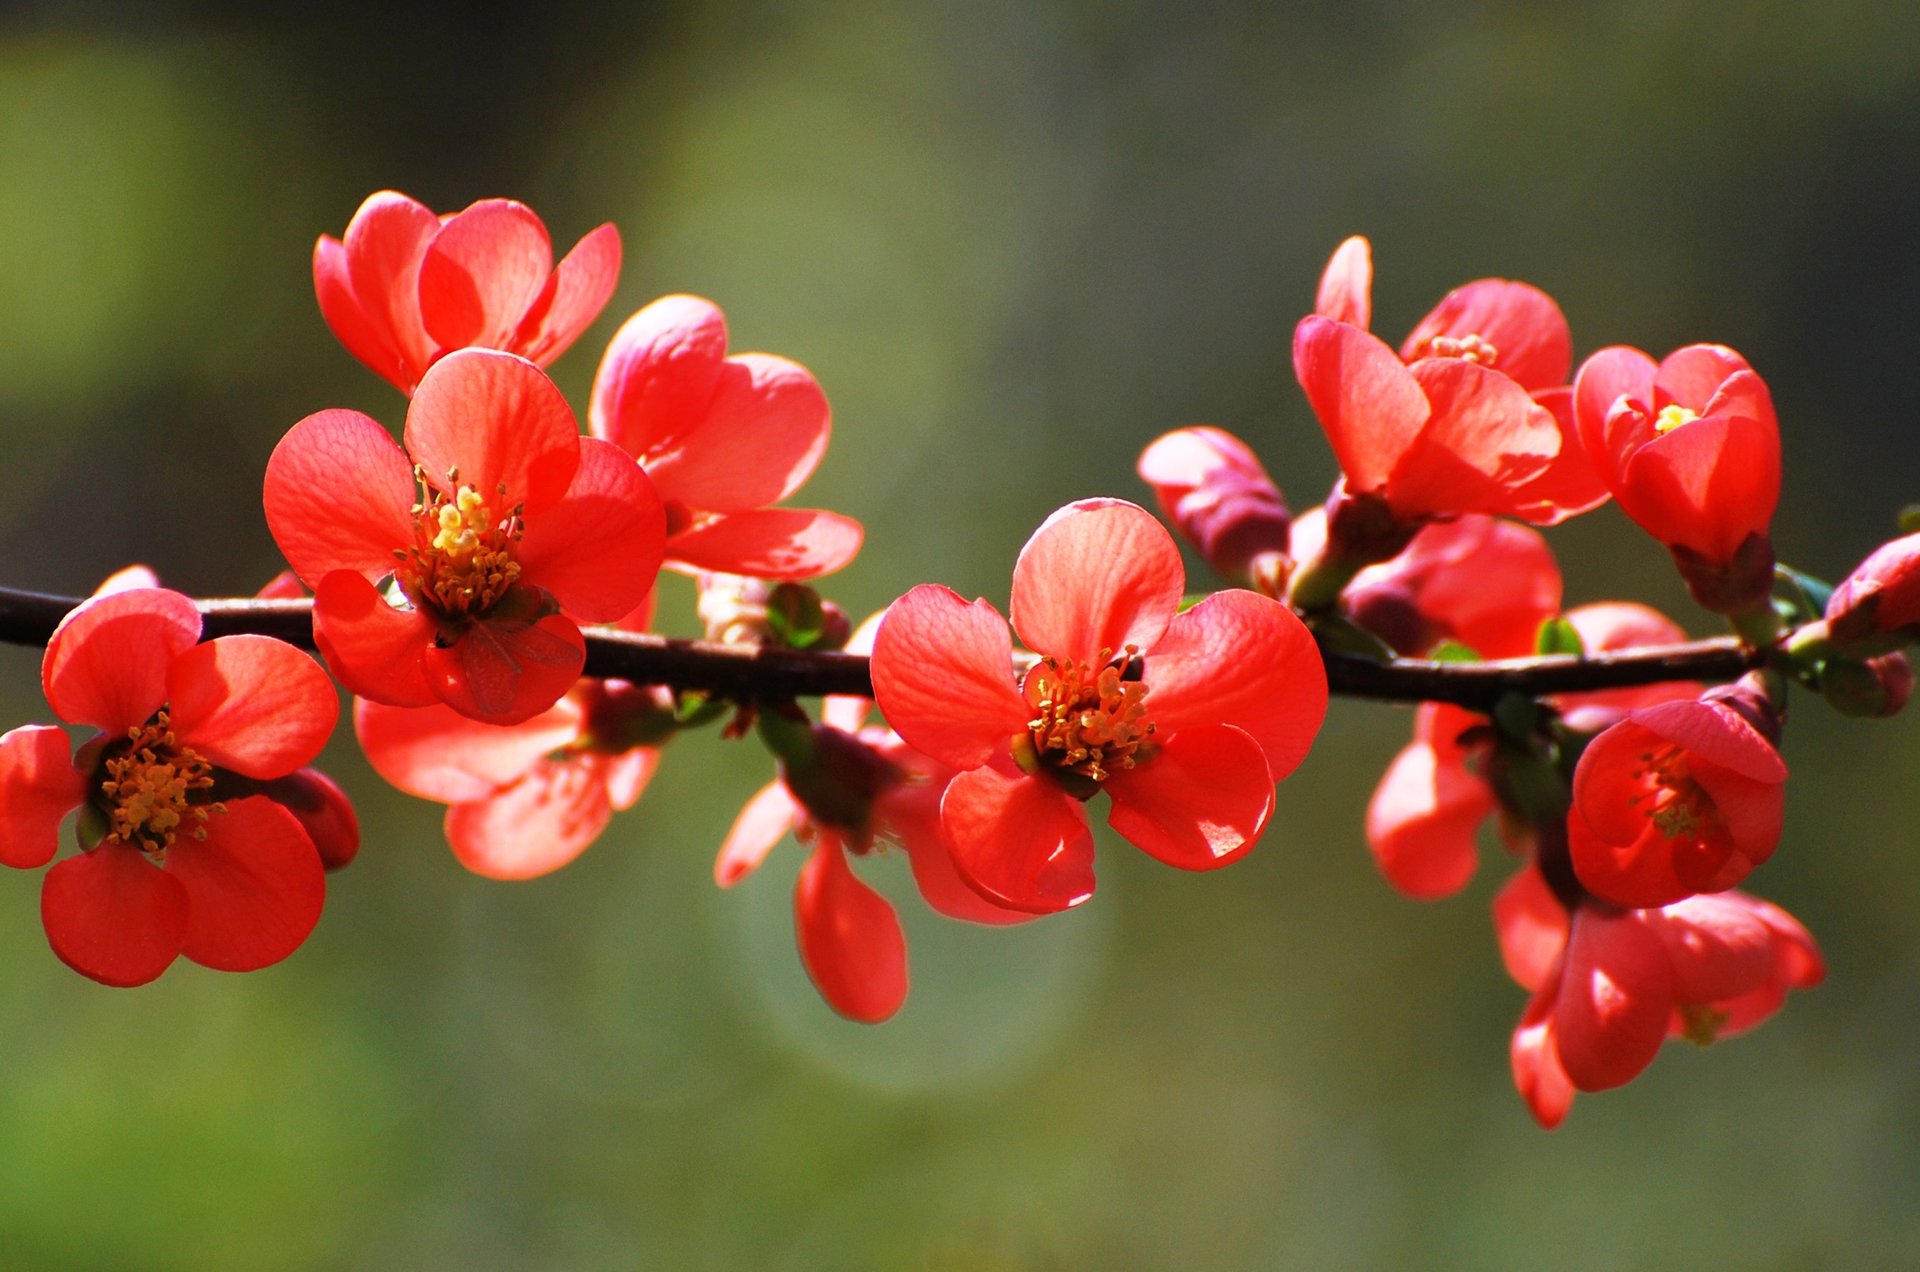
(795, 615)
(1558, 636)
(1342, 636)
(1192, 599)
(1807, 594)
(1452, 651)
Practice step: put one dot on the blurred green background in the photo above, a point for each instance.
(1015, 242)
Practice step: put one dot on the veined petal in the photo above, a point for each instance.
(113, 917)
(536, 825)
(1485, 439)
(1198, 804)
(436, 753)
(1346, 285)
(255, 886)
(384, 245)
(657, 379)
(850, 938)
(768, 543)
(765, 429)
(767, 818)
(1019, 841)
(338, 497)
(39, 786)
(1243, 659)
(252, 704)
(506, 672)
(1423, 823)
(373, 649)
(482, 272)
(579, 289)
(106, 663)
(1099, 574)
(500, 423)
(943, 676)
(598, 549)
(365, 338)
(1520, 321)
(1368, 403)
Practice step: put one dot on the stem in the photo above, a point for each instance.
(742, 672)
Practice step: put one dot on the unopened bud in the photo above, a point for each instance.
(1880, 598)
(323, 811)
(1212, 488)
(1870, 687)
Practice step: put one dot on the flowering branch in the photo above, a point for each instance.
(743, 672)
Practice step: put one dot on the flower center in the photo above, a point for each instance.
(1088, 717)
(1701, 1023)
(462, 559)
(1672, 799)
(149, 784)
(1468, 348)
(1672, 417)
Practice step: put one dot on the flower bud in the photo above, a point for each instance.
(1880, 597)
(1870, 687)
(323, 811)
(1212, 488)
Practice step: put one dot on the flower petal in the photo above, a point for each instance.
(1532, 927)
(255, 885)
(1099, 574)
(482, 272)
(1616, 993)
(373, 649)
(576, 293)
(657, 379)
(1243, 659)
(384, 243)
(1485, 440)
(597, 550)
(943, 676)
(1423, 823)
(1535, 1057)
(436, 753)
(1523, 324)
(1346, 285)
(39, 786)
(112, 916)
(252, 704)
(850, 938)
(1718, 946)
(764, 432)
(1198, 804)
(1368, 403)
(768, 543)
(766, 819)
(505, 672)
(538, 824)
(365, 338)
(500, 423)
(338, 497)
(1019, 841)
(106, 663)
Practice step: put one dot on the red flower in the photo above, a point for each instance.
(1423, 822)
(521, 530)
(406, 287)
(721, 437)
(1211, 487)
(523, 799)
(1186, 720)
(1679, 798)
(1880, 598)
(1467, 417)
(174, 862)
(1691, 451)
(1610, 986)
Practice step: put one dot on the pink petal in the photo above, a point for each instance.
(578, 290)
(1616, 993)
(1717, 734)
(1537, 1074)
(436, 753)
(1098, 575)
(597, 550)
(1603, 379)
(369, 341)
(943, 676)
(373, 649)
(384, 245)
(1718, 947)
(1532, 927)
(1423, 823)
(538, 824)
(127, 579)
(910, 817)
(768, 543)
(1486, 439)
(1346, 286)
(481, 273)
(255, 886)
(1018, 840)
(1198, 804)
(1242, 659)
(39, 786)
(1691, 376)
(106, 663)
(764, 432)
(506, 672)
(767, 818)
(338, 497)
(1367, 401)
(252, 704)
(1569, 484)
(628, 775)
(850, 939)
(112, 916)
(498, 421)
(657, 380)
(1524, 325)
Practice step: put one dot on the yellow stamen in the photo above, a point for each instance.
(1677, 805)
(1672, 417)
(1087, 718)
(463, 561)
(1468, 348)
(148, 787)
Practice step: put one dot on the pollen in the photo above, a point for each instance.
(150, 787)
(462, 560)
(1468, 348)
(1088, 718)
(1672, 798)
(1672, 417)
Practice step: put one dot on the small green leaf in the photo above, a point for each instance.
(795, 615)
(1558, 636)
(1452, 651)
(1910, 519)
(1807, 594)
(1192, 599)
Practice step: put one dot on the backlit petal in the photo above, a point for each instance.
(850, 939)
(252, 704)
(579, 289)
(506, 672)
(597, 550)
(538, 824)
(38, 788)
(1346, 285)
(765, 429)
(338, 495)
(1199, 803)
(1367, 401)
(500, 423)
(1616, 993)
(482, 272)
(372, 648)
(943, 676)
(437, 753)
(768, 543)
(106, 663)
(1099, 574)
(1423, 823)
(657, 379)
(255, 886)
(1018, 840)
(113, 916)
(1522, 323)
(766, 819)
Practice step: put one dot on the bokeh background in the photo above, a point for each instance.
(1016, 241)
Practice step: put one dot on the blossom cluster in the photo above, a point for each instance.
(455, 575)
